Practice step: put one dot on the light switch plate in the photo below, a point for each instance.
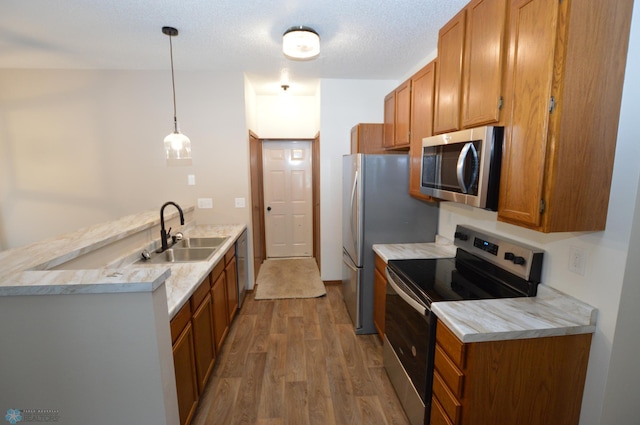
(240, 202)
(577, 260)
(205, 203)
(191, 179)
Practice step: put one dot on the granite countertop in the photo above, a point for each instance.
(441, 248)
(27, 270)
(185, 277)
(550, 313)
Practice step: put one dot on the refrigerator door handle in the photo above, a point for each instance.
(354, 213)
(349, 264)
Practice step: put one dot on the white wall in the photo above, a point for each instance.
(612, 266)
(82, 147)
(286, 116)
(345, 103)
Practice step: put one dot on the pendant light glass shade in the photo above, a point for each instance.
(301, 43)
(177, 146)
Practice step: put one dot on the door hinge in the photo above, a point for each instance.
(542, 206)
(500, 104)
(552, 105)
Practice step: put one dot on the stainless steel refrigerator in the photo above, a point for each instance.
(376, 209)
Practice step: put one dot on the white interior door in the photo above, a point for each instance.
(288, 199)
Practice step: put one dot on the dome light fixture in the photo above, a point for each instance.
(301, 43)
(177, 146)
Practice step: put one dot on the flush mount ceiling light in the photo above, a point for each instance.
(177, 146)
(301, 43)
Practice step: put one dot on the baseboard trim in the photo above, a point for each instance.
(332, 282)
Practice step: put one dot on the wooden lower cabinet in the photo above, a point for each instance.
(535, 381)
(198, 331)
(186, 381)
(231, 279)
(205, 353)
(220, 315)
(379, 295)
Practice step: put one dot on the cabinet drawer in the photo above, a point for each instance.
(230, 254)
(450, 404)
(451, 345)
(179, 321)
(200, 293)
(448, 371)
(380, 265)
(438, 417)
(217, 271)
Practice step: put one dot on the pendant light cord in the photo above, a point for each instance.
(173, 85)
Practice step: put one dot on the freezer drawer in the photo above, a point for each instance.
(351, 293)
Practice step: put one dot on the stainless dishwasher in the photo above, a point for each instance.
(242, 265)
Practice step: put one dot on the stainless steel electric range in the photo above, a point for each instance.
(485, 266)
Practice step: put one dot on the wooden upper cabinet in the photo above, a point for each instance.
(367, 139)
(403, 115)
(422, 94)
(397, 116)
(484, 59)
(564, 88)
(449, 79)
(389, 120)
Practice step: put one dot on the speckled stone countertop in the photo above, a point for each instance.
(25, 270)
(441, 248)
(185, 277)
(550, 313)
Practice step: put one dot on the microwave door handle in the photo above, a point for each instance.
(462, 159)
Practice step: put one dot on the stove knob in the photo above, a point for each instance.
(518, 260)
(461, 236)
(509, 256)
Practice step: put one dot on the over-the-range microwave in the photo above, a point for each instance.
(463, 166)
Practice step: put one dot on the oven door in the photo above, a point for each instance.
(409, 348)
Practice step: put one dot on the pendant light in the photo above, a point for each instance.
(177, 146)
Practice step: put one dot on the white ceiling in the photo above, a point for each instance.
(363, 39)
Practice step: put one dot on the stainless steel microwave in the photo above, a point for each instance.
(463, 166)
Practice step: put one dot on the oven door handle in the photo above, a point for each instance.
(413, 303)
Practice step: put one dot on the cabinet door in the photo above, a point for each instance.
(483, 62)
(231, 274)
(449, 79)
(355, 145)
(389, 120)
(529, 81)
(203, 341)
(422, 92)
(220, 316)
(186, 381)
(402, 115)
(379, 299)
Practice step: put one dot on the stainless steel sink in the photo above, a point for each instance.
(200, 242)
(181, 255)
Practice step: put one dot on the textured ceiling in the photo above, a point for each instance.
(363, 39)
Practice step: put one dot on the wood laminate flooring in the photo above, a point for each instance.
(298, 362)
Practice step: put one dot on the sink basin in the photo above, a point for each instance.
(181, 255)
(200, 242)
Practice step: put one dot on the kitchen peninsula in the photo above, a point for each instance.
(86, 333)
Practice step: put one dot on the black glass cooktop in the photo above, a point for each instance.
(453, 279)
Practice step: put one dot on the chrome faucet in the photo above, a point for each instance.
(164, 235)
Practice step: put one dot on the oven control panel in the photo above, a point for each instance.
(516, 257)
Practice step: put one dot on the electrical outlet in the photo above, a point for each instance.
(577, 260)
(240, 203)
(205, 203)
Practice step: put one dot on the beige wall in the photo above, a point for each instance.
(82, 147)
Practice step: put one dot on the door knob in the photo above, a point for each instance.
(268, 208)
